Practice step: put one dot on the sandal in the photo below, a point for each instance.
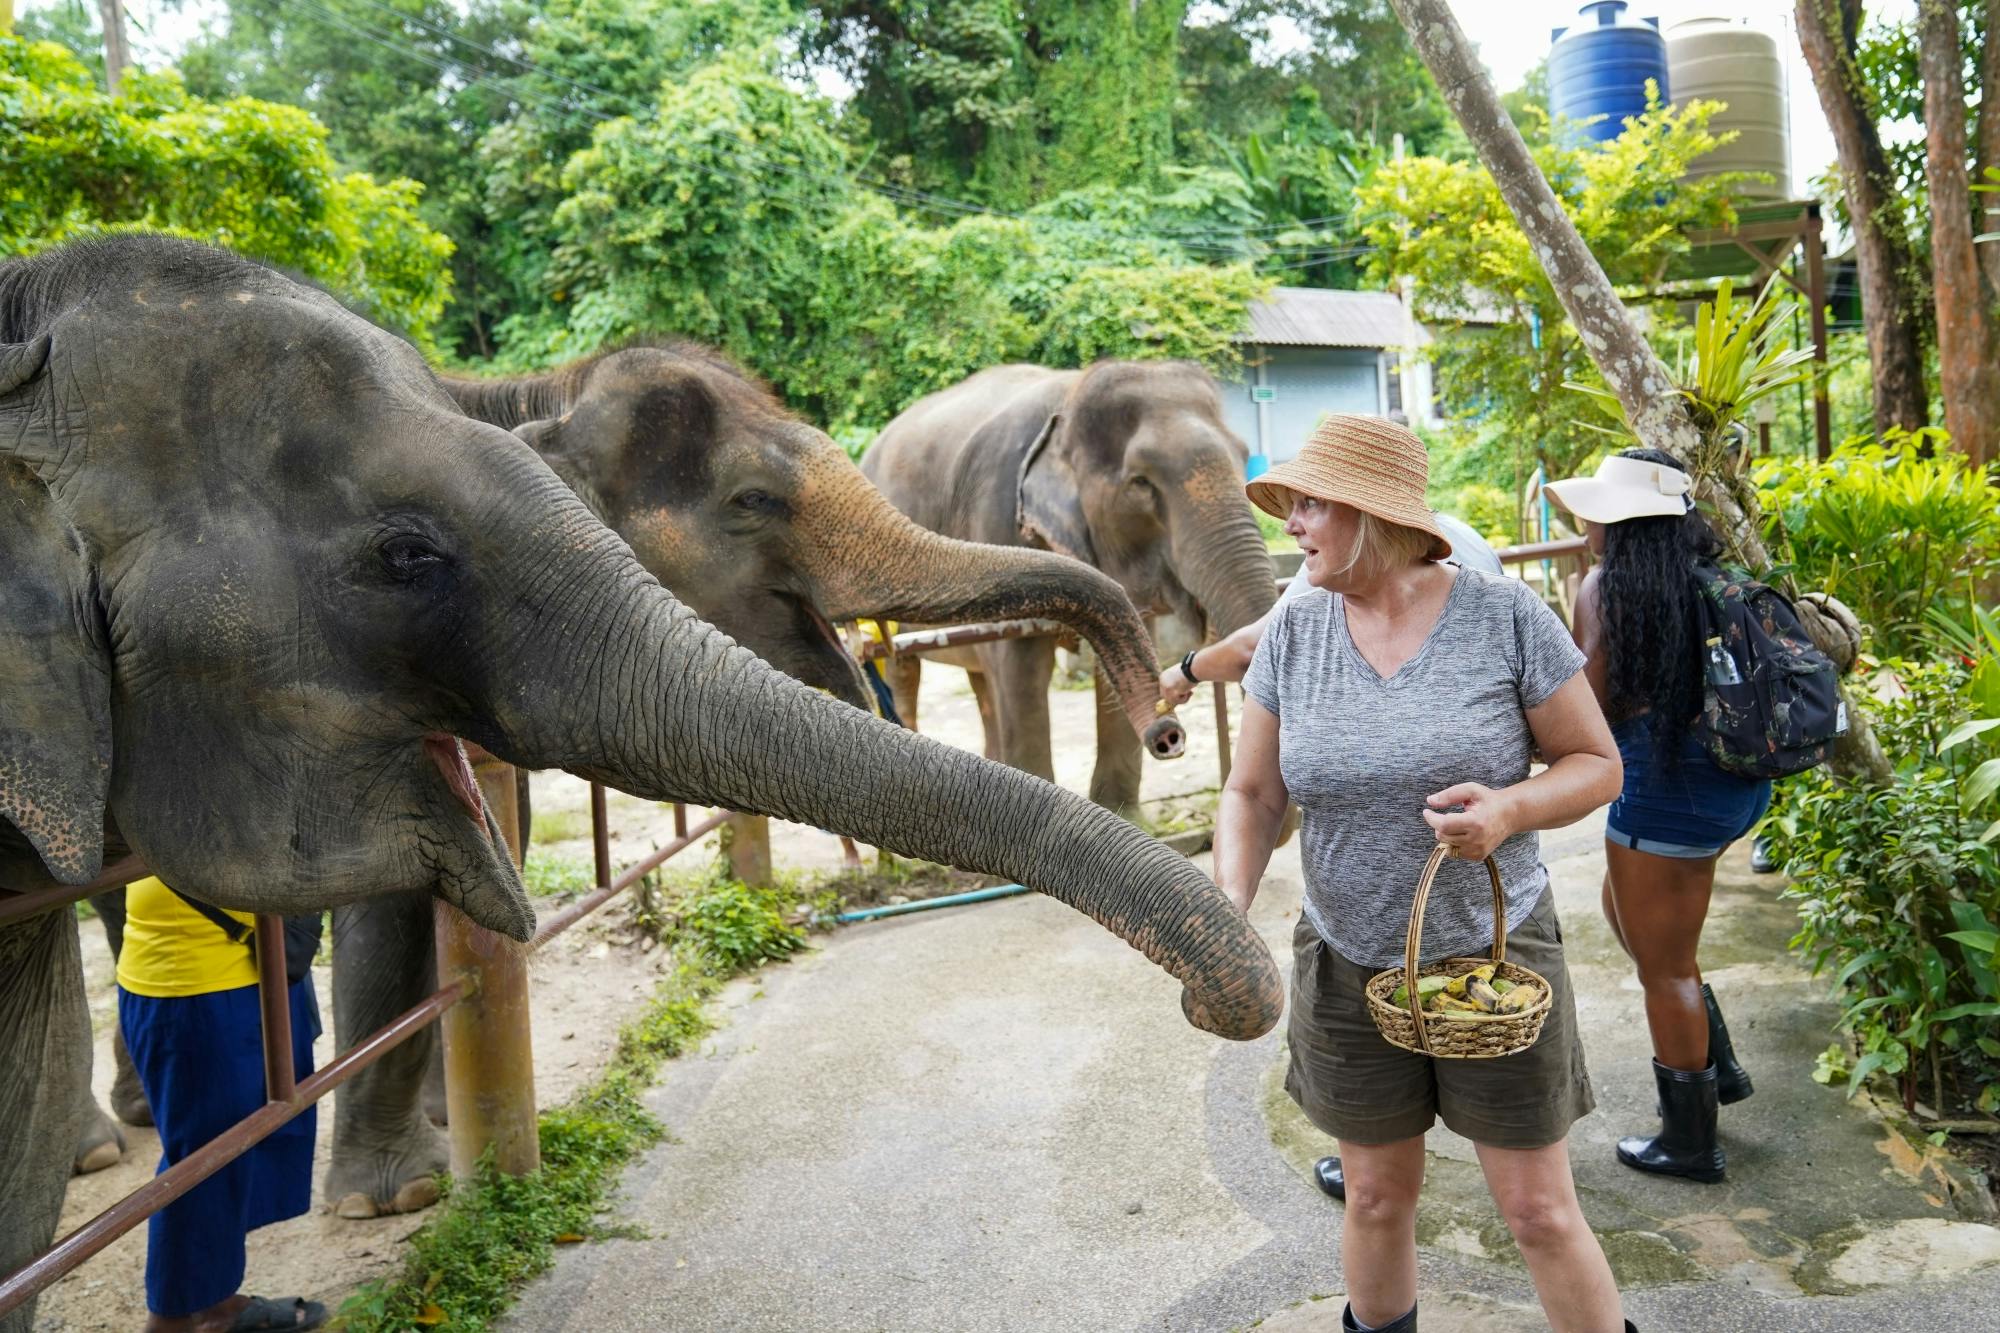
(264, 1316)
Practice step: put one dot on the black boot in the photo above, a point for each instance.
(1407, 1324)
(1732, 1081)
(1330, 1177)
(1685, 1145)
(1761, 860)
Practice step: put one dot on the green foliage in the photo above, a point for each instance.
(1898, 896)
(1492, 512)
(546, 875)
(253, 176)
(736, 927)
(1445, 224)
(1895, 529)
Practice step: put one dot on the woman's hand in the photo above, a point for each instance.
(1472, 834)
(1175, 687)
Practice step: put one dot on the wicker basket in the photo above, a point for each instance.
(1484, 1038)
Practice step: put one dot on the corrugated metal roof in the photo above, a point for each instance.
(1321, 317)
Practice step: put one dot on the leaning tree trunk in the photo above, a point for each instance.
(1988, 145)
(1892, 311)
(1968, 375)
(1652, 405)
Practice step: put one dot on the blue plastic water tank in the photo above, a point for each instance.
(1600, 67)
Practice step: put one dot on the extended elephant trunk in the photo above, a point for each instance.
(870, 560)
(678, 712)
(1218, 553)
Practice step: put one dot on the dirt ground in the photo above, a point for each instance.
(586, 984)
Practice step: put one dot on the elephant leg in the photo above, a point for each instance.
(1114, 780)
(386, 1153)
(44, 1083)
(989, 720)
(128, 1095)
(1018, 671)
(99, 1141)
(904, 674)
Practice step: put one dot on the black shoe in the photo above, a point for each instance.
(1685, 1145)
(1327, 1172)
(1732, 1081)
(1761, 860)
(1407, 1324)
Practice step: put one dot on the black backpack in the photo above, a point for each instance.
(1771, 701)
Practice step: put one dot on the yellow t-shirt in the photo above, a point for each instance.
(172, 951)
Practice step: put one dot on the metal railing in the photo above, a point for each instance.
(286, 1098)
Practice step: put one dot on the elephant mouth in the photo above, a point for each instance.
(844, 678)
(448, 756)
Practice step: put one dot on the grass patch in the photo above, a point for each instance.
(559, 825)
(493, 1233)
(547, 874)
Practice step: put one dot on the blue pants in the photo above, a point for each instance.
(1691, 810)
(201, 1059)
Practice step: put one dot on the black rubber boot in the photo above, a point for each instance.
(1685, 1145)
(1407, 1324)
(1732, 1081)
(1761, 860)
(1330, 1177)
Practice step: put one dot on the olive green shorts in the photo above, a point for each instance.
(1356, 1086)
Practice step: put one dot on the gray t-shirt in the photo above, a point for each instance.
(1359, 754)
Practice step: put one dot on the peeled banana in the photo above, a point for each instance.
(1520, 999)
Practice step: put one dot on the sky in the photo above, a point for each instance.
(1511, 34)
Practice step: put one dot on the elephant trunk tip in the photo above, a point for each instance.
(1165, 737)
(1238, 1017)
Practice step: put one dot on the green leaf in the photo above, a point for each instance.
(1966, 731)
(1863, 1067)
(1977, 1009)
(1986, 941)
(1985, 780)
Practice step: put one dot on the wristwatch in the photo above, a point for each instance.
(1187, 668)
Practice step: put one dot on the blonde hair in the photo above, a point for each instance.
(1381, 544)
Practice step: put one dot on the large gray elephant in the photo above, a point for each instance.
(763, 526)
(1126, 466)
(261, 572)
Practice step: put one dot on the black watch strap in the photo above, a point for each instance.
(1187, 668)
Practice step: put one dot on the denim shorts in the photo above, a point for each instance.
(1690, 811)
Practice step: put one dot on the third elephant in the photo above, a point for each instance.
(1126, 466)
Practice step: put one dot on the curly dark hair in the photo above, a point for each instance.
(1651, 608)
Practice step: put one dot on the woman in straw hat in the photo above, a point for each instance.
(1398, 706)
(1638, 620)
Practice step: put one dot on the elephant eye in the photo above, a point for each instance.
(758, 502)
(408, 557)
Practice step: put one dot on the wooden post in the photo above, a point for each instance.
(117, 55)
(746, 841)
(489, 1058)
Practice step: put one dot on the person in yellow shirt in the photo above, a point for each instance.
(187, 1004)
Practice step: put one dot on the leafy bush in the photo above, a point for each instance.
(1890, 531)
(736, 926)
(1898, 895)
(253, 176)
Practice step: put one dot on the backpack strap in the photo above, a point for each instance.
(229, 925)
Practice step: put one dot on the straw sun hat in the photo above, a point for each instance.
(1625, 488)
(1367, 462)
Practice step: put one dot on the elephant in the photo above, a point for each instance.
(1126, 466)
(263, 576)
(762, 525)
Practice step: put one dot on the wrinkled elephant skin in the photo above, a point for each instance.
(1126, 466)
(260, 566)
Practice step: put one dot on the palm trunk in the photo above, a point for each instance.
(1967, 373)
(1631, 370)
(1893, 315)
(868, 559)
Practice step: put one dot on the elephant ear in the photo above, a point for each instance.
(1050, 505)
(55, 680)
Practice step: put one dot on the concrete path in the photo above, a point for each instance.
(994, 1118)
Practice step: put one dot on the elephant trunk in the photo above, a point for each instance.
(1218, 554)
(868, 559)
(659, 704)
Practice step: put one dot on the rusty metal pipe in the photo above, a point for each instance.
(19, 906)
(930, 640)
(275, 999)
(590, 902)
(89, 1239)
(600, 833)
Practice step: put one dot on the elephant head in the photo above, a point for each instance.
(763, 525)
(1135, 473)
(262, 572)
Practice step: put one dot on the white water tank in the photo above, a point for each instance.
(1723, 60)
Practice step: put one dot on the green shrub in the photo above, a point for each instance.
(1888, 530)
(547, 875)
(738, 927)
(1898, 894)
